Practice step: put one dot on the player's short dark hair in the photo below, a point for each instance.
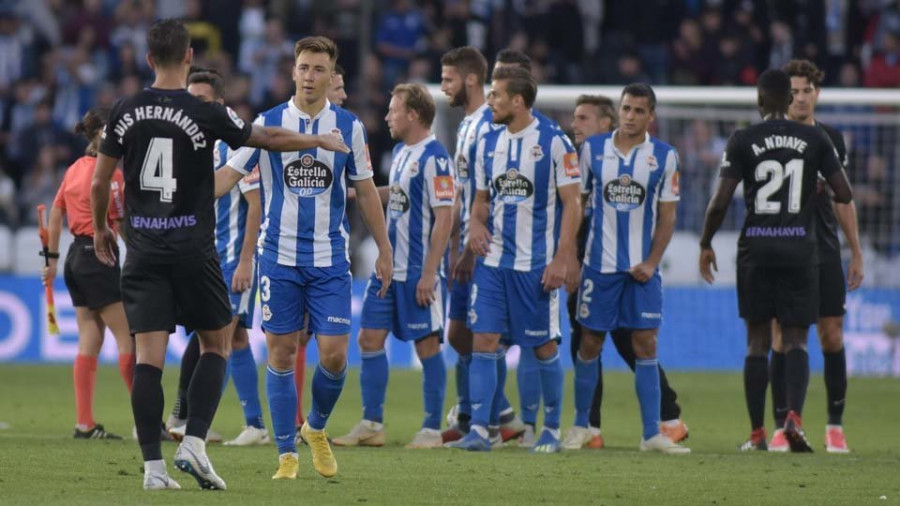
(513, 57)
(518, 82)
(804, 68)
(317, 44)
(416, 98)
(91, 125)
(774, 90)
(603, 104)
(468, 60)
(168, 40)
(210, 77)
(338, 70)
(641, 90)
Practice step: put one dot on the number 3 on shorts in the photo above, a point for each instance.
(264, 284)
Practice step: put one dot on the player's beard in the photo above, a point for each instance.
(460, 98)
(503, 120)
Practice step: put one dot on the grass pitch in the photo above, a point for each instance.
(40, 463)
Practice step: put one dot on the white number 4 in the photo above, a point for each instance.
(156, 172)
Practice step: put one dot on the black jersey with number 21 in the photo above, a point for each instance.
(166, 138)
(778, 161)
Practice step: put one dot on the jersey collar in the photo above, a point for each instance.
(477, 113)
(300, 114)
(525, 131)
(419, 144)
(612, 142)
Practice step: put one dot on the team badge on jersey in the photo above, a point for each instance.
(398, 202)
(570, 162)
(443, 187)
(651, 162)
(307, 177)
(624, 193)
(513, 187)
(413, 168)
(537, 153)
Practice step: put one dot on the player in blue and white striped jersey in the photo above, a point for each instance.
(237, 226)
(418, 220)
(304, 261)
(463, 74)
(527, 372)
(632, 181)
(525, 216)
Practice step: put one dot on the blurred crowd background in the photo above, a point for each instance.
(59, 58)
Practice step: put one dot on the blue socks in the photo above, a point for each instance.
(482, 386)
(586, 375)
(500, 403)
(246, 382)
(282, 395)
(434, 384)
(528, 375)
(646, 383)
(373, 380)
(462, 384)
(551, 374)
(326, 389)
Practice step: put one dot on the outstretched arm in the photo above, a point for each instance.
(281, 139)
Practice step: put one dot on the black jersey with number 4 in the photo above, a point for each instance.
(166, 138)
(778, 162)
(829, 243)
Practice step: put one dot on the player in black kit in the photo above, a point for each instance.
(171, 273)
(777, 269)
(806, 80)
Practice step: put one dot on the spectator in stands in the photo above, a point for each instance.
(40, 184)
(630, 69)
(9, 213)
(264, 57)
(782, 50)
(90, 16)
(400, 35)
(44, 134)
(14, 47)
(686, 61)
(884, 69)
(733, 67)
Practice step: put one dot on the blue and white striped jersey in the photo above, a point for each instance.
(522, 172)
(304, 193)
(472, 128)
(625, 189)
(421, 179)
(231, 209)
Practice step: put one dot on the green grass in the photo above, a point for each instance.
(41, 464)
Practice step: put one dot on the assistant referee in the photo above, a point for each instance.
(94, 287)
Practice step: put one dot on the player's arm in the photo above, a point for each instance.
(479, 236)
(372, 213)
(104, 238)
(665, 222)
(48, 273)
(281, 139)
(359, 170)
(715, 215)
(846, 217)
(561, 268)
(455, 224)
(440, 237)
(729, 176)
(243, 273)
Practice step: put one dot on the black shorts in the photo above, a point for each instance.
(159, 296)
(789, 294)
(832, 289)
(91, 284)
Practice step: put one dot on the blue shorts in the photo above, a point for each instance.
(288, 292)
(505, 301)
(459, 301)
(242, 303)
(610, 301)
(399, 312)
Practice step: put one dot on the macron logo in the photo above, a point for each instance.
(336, 319)
(652, 316)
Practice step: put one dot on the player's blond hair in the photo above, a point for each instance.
(416, 98)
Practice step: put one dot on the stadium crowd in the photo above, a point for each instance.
(58, 58)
